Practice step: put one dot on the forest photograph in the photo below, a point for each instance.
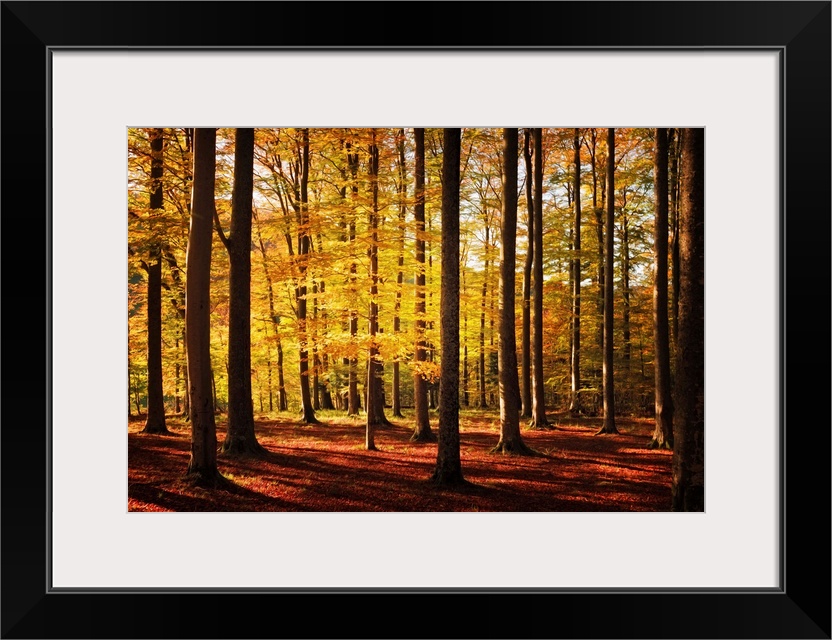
(415, 319)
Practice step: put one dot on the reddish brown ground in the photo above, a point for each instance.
(325, 468)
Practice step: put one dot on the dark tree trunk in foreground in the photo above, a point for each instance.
(202, 466)
(422, 433)
(526, 340)
(689, 425)
(575, 364)
(510, 439)
(663, 433)
(448, 466)
(240, 438)
(538, 420)
(155, 394)
(304, 242)
(609, 387)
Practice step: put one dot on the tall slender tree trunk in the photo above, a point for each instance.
(402, 189)
(422, 432)
(240, 438)
(202, 466)
(448, 469)
(352, 379)
(482, 374)
(538, 420)
(609, 387)
(674, 150)
(663, 433)
(308, 411)
(155, 422)
(574, 402)
(599, 231)
(625, 293)
(510, 439)
(526, 340)
(688, 493)
(374, 418)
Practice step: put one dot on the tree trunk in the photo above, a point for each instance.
(689, 429)
(374, 418)
(422, 432)
(155, 394)
(538, 420)
(308, 412)
(202, 467)
(402, 193)
(663, 433)
(526, 366)
(353, 401)
(625, 286)
(482, 375)
(240, 438)
(609, 387)
(448, 466)
(674, 226)
(574, 401)
(510, 439)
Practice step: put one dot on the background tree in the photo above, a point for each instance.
(538, 420)
(155, 395)
(663, 433)
(422, 432)
(240, 437)
(448, 469)
(609, 387)
(510, 439)
(575, 364)
(689, 427)
(202, 466)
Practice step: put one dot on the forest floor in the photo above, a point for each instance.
(324, 467)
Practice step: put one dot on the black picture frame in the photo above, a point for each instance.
(800, 608)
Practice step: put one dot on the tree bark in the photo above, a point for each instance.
(510, 439)
(240, 438)
(308, 412)
(526, 340)
(155, 422)
(422, 432)
(202, 467)
(374, 416)
(448, 469)
(575, 364)
(609, 387)
(353, 400)
(538, 420)
(688, 493)
(663, 433)
(402, 193)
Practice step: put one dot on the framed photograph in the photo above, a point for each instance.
(755, 75)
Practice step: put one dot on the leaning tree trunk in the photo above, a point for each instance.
(448, 469)
(155, 395)
(663, 433)
(510, 439)
(526, 340)
(609, 387)
(688, 493)
(574, 401)
(202, 466)
(538, 420)
(422, 432)
(240, 438)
